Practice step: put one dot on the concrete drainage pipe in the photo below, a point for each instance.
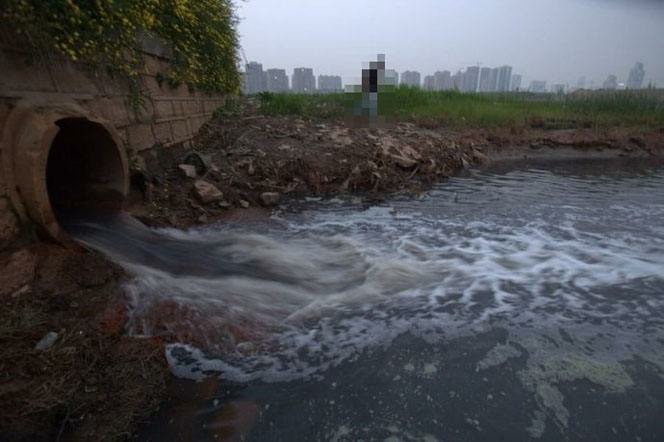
(60, 162)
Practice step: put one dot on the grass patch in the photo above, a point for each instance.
(455, 109)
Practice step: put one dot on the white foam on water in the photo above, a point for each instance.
(485, 272)
(326, 285)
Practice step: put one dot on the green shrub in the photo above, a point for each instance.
(105, 34)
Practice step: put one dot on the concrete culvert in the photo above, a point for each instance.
(85, 174)
(59, 163)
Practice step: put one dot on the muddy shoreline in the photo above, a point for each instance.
(254, 161)
(93, 381)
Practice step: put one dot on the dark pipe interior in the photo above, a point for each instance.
(84, 173)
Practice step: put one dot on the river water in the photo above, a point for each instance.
(520, 302)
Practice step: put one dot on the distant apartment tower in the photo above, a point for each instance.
(516, 82)
(411, 78)
(277, 80)
(442, 81)
(538, 86)
(429, 83)
(303, 81)
(329, 84)
(457, 81)
(485, 76)
(581, 82)
(391, 77)
(636, 75)
(611, 83)
(558, 88)
(504, 78)
(471, 79)
(255, 78)
(493, 80)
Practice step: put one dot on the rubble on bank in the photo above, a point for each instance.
(247, 156)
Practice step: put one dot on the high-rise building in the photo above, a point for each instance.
(329, 84)
(485, 75)
(516, 82)
(391, 77)
(611, 83)
(493, 80)
(558, 88)
(442, 81)
(429, 83)
(504, 77)
(411, 78)
(538, 86)
(457, 80)
(471, 79)
(277, 80)
(303, 81)
(581, 82)
(255, 78)
(636, 75)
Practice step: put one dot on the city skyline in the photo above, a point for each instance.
(469, 79)
(542, 40)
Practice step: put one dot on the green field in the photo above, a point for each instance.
(455, 109)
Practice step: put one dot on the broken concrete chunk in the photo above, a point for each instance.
(244, 204)
(207, 192)
(270, 198)
(188, 170)
(403, 162)
(47, 341)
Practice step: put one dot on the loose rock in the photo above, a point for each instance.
(47, 341)
(207, 192)
(246, 347)
(403, 162)
(270, 198)
(188, 170)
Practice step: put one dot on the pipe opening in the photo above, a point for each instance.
(84, 173)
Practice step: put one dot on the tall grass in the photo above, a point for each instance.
(455, 109)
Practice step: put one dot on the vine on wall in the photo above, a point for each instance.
(201, 35)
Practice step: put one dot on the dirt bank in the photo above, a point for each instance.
(67, 368)
(253, 160)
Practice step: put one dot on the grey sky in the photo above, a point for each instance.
(553, 40)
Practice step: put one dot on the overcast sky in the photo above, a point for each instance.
(552, 40)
